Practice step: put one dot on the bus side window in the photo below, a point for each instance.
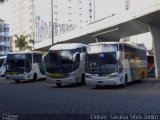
(120, 47)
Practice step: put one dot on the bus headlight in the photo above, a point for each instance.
(25, 73)
(88, 76)
(113, 75)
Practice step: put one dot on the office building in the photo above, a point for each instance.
(4, 38)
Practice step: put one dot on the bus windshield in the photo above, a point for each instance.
(18, 63)
(101, 63)
(60, 61)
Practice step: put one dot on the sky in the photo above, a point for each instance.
(5, 12)
(103, 8)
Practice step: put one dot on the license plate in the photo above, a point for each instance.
(58, 81)
(100, 81)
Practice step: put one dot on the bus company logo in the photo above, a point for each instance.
(54, 75)
(12, 73)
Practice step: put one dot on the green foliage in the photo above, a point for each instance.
(31, 41)
(21, 43)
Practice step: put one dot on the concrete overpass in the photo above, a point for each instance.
(117, 27)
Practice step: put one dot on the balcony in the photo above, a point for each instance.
(7, 44)
(1, 33)
(6, 34)
(2, 43)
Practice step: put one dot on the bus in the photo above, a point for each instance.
(26, 65)
(66, 64)
(114, 63)
(2, 65)
(150, 66)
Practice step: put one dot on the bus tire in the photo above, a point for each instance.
(83, 79)
(125, 81)
(17, 81)
(142, 76)
(3, 75)
(59, 85)
(34, 77)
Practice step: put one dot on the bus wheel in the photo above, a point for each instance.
(83, 79)
(34, 77)
(3, 75)
(59, 85)
(125, 81)
(142, 76)
(17, 81)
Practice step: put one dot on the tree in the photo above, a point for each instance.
(21, 43)
(31, 41)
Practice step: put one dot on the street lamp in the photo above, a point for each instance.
(52, 22)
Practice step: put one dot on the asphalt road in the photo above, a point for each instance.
(40, 100)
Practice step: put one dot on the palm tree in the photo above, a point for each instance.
(31, 41)
(21, 43)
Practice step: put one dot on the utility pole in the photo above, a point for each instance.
(52, 22)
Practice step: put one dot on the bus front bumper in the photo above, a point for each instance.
(68, 80)
(99, 81)
(17, 77)
(2, 72)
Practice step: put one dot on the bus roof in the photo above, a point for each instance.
(100, 43)
(67, 46)
(24, 52)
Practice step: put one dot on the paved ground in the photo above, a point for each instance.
(45, 99)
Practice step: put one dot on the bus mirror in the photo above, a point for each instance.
(76, 57)
(118, 55)
(82, 56)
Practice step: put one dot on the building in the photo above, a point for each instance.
(31, 17)
(4, 38)
(133, 6)
(68, 15)
(22, 17)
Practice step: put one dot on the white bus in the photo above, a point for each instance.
(26, 65)
(66, 63)
(2, 65)
(114, 63)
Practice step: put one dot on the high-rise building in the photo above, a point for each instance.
(22, 17)
(68, 15)
(33, 17)
(4, 38)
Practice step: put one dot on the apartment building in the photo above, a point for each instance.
(33, 17)
(22, 17)
(4, 38)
